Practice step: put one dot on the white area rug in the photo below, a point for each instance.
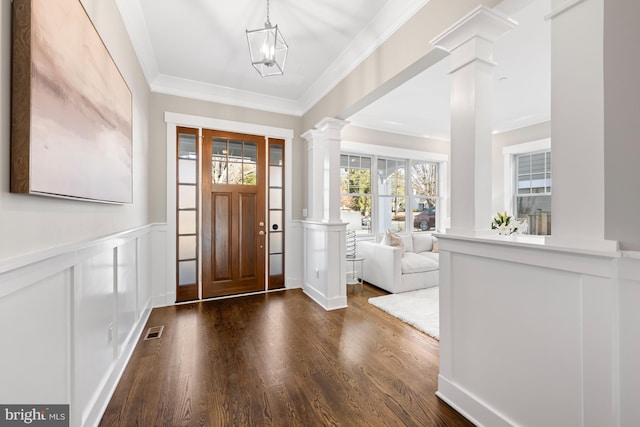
(418, 308)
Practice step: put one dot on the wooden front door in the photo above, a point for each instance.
(233, 214)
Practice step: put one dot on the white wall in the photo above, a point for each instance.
(30, 223)
(500, 141)
(526, 326)
(160, 104)
(621, 106)
(71, 317)
(62, 283)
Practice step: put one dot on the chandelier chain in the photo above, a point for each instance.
(268, 12)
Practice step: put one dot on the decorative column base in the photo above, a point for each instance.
(324, 265)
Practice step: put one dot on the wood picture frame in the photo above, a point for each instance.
(71, 109)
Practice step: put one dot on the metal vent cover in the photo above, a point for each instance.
(154, 333)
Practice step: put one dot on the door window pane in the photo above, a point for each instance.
(275, 265)
(275, 220)
(275, 198)
(186, 196)
(186, 272)
(275, 243)
(275, 154)
(186, 171)
(186, 146)
(187, 222)
(186, 247)
(275, 176)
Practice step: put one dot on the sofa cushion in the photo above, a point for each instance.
(414, 263)
(408, 242)
(431, 255)
(422, 242)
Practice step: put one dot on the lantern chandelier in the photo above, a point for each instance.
(267, 48)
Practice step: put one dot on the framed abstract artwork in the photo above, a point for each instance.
(71, 109)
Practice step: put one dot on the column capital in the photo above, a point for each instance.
(480, 28)
(311, 135)
(331, 127)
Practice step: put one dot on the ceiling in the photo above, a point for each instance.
(198, 49)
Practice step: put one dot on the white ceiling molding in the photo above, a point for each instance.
(393, 16)
(224, 95)
(384, 24)
(136, 26)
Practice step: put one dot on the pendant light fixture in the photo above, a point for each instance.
(267, 48)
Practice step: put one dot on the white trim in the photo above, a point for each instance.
(224, 95)
(388, 20)
(509, 153)
(66, 255)
(189, 120)
(562, 9)
(173, 120)
(23, 272)
(99, 405)
(361, 148)
(458, 398)
(133, 18)
(386, 151)
(528, 147)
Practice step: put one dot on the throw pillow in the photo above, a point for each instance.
(394, 240)
(435, 246)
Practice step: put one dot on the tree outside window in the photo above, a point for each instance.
(355, 192)
(424, 186)
(392, 194)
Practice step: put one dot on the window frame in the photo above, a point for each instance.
(376, 152)
(511, 154)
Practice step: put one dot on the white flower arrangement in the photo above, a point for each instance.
(507, 225)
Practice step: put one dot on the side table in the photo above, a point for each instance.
(355, 277)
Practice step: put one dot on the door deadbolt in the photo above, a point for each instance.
(261, 232)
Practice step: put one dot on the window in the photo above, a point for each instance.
(424, 186)
(355, 192)
(402, 198)
(233, 162)
(391, 194)
(533, 191)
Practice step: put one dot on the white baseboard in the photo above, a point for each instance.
(476, 411)
(326, 303)
(104, 396)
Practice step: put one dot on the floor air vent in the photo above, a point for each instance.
(153, 333)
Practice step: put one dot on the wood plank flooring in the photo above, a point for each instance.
(281, 360)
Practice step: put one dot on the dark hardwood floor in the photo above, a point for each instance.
(281, 360)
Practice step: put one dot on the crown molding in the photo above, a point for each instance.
(395, 14)
(390, 18)
(192, 89)
(134, 22)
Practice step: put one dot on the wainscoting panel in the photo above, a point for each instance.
(528, 326)
(71, 316)
(34, 331)
(629, 303)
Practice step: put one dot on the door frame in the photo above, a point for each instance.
(173, 120)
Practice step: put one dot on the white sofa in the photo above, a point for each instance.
(401, 269)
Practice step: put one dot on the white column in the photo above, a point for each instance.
(470, 43)
(330, 130)
(577, 124)
(315, 155)
(324, 232)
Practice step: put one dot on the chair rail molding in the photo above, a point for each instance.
(86, 305)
